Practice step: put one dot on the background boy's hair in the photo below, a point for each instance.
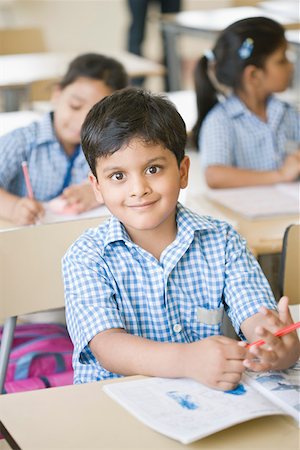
(230, 56)
(96, 67)
(127, 114)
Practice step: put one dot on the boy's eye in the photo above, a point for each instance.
(152, 170)
(118, 176)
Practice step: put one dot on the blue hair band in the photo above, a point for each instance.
(246, 49)
(209, 54)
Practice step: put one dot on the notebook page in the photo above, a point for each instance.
(186, 410)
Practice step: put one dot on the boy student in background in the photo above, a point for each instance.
(249, 137)
(51, 148)
(146, 290)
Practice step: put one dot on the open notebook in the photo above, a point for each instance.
(57, 211)
(260, 201)
(187, 411)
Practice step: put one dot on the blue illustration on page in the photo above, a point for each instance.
(184, 400)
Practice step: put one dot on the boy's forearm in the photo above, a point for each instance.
(126, 354)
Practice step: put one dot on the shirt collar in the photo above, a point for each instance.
(235, 107)
(187, 223)
(45, 129)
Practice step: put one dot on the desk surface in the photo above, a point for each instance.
(84, 417)
(263, 235)
(216, 20)
(22, 69)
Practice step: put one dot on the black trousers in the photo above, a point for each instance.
(136, 32)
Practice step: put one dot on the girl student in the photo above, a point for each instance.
(51, 146)
(246, 135)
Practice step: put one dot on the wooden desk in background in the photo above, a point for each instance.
(263, 235)
(84, 417)
(207, 24)
(20, 70)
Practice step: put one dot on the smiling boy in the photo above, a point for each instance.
(145, 291)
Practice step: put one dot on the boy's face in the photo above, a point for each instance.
(72, 105)
(140, 185)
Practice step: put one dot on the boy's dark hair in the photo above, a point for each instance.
(265, 36)
(127, 114)
(96, 67)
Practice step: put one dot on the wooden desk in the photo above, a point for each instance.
(207, 24)
(20, 70)
(84, 417)
(263, 236)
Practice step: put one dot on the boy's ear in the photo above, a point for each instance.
(184, 172)
(96, 188)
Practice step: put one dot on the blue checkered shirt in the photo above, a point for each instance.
(110, 282)
(232, 135)
(46, 159)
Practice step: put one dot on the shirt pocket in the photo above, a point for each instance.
(206, 322)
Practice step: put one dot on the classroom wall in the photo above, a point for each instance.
(95, 25)
(86, 24)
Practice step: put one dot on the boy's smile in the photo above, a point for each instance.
(140, 185)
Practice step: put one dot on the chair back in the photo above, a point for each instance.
(289, 276)
(21, 40)
(30, 265)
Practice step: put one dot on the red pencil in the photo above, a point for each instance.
(27, 179)
(282, 332)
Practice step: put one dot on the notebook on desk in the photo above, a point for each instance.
(259, 201)
(57, 211)
(187, 411)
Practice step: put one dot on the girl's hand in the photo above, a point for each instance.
(290, 170)
(278, 352)
(81, 197)
(26, 211)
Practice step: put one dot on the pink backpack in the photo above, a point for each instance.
(41, 356)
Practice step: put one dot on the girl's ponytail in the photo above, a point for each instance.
(206, 94)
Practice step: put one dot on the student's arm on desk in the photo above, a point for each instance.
(220, 176)
(279, 352)
(216, 361)
(19, 210)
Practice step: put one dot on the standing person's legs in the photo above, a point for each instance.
(136, 32)
(168, 7)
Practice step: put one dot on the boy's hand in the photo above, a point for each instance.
(216, 361)
(26, 211)
(278, 352)
(81, 197)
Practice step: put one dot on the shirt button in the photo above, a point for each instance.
(177, 328)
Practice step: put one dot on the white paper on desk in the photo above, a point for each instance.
(186, 410)
(260, 201)
(51, 217)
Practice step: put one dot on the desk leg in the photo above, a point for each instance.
(170, 35)
(7, 338)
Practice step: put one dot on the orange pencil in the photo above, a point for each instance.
(27, 179)
(282, 332)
